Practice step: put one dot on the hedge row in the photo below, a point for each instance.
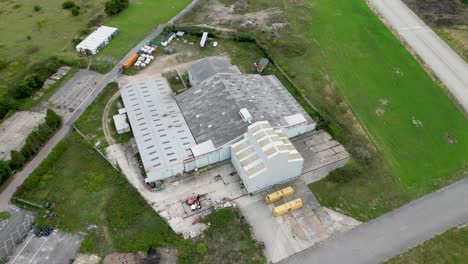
(33, 144)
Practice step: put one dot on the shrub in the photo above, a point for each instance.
(17, 160)
(96, 21)
(3, 65)
(75, 10)
(37, 8)
(113, 7)
(28, 37)
(5, 171)
(68, 4)
(201, 248)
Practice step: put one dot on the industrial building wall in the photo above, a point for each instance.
(164, 173)
(291, 132)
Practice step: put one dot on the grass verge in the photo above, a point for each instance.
(449, 247)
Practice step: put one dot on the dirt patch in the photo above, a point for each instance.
(450, 138)
(440, 12)
(124, 258)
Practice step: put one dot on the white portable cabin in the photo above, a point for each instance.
(97, 40)
(168, 39)
(121, 124)
(204, 39)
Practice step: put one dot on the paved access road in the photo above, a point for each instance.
(447, 65)
(394, 232)
(18, 179)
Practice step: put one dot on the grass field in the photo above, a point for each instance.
(405, 135)
(422, 135)
(90, 122)
(137, 21)
(29, 36)
(450, 247)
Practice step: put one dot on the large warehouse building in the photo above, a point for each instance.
(226, 114)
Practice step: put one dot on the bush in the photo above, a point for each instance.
(3, 65)
(5, 171)
(17, 160)
(75, 10)
(113, 7)
(68, 4)
(201, 249)
(37, 8)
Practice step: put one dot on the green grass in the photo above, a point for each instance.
(449, 247)
(85, 190)
(368, 64)
(176, 85)
(90, 122)
(136, 22)
(4, 215)
(227, 240)
(54, 37)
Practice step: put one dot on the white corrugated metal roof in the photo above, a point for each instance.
(160, 130)
(120, 122)
(203, 148)
(96, 39)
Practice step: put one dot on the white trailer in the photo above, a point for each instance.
(204, 39)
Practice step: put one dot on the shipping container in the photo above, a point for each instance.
(129, 62)
(288, 207)
(278, 195)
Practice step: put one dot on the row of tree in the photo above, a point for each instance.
(33, 144)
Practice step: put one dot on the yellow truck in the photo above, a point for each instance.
(288, 207)
(281, 194)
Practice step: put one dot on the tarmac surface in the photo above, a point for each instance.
(57, 248)
(395, 232)
(446, 64)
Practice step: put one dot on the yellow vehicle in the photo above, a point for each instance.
(288, 207)
(276, 196)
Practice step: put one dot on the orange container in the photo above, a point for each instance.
(129, 62)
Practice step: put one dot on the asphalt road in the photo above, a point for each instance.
(18, 178)
(394, 232)
(447, 65)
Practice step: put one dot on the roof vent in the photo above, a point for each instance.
(245, 115)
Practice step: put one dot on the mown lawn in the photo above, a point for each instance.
(450, 247)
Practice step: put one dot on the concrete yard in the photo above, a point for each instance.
(57, 248)
(15, 130)
(13, 230)
(283, 236)
(73, 92)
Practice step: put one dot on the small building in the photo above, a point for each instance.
(121, 124)
(262, 65)
(204, 39)
(168, 39)
(180, 34)
(96, 40)
(265, 157)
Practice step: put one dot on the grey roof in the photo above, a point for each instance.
(161, 133)
(212, 107)
(209, 67)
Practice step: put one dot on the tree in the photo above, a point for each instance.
(53, 120)
(113, 7)
(5, 171)
(75, 10)
(23, 91)
(68, 4)
(17, 160)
